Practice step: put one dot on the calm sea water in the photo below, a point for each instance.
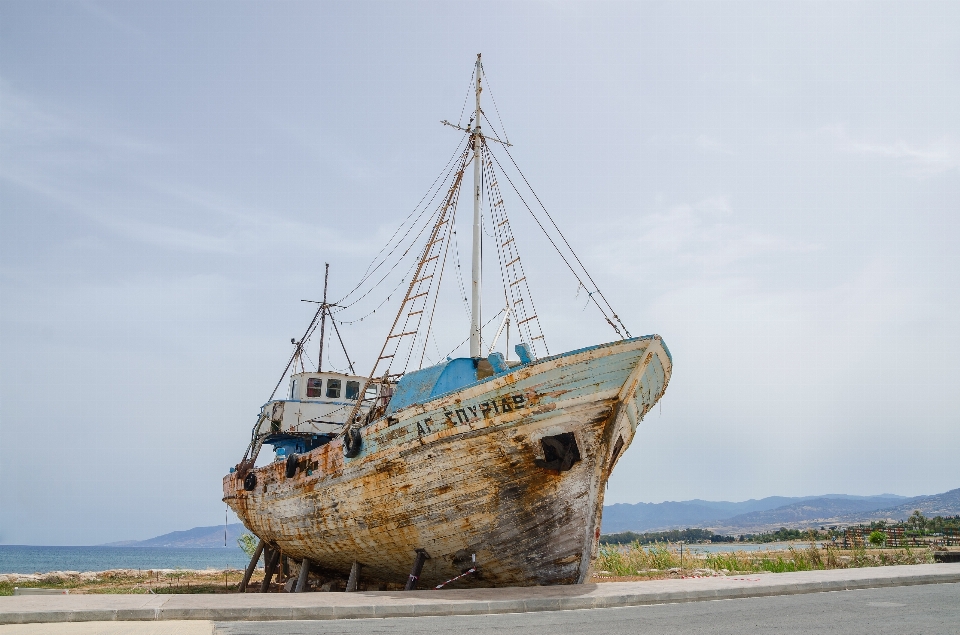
(724, 547)
(28, 559)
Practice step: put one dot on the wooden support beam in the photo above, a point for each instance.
(271, 560)
(251, 567)
(304, 574)
(422, 556)
(354, 579)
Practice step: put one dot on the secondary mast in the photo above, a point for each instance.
(477, 139)
(323, 316)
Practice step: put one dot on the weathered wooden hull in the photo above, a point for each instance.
(459, 475)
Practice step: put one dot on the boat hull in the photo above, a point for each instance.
(467, 475)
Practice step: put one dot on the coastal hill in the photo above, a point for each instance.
(668, 515)
(827, 511)
(200, 537)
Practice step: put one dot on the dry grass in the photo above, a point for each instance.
(128, 581)
(637, 562)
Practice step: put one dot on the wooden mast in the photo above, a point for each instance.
(476, 271)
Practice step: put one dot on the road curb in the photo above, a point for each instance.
(315, 606)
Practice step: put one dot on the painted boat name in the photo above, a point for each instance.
(482, 410)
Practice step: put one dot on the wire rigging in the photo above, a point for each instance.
(410, 225)
(559, 252)
(565, 242)
(516, 286)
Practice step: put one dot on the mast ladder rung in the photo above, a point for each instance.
(518, 302)
(402, 334)
(429, 259)
(514, 261)
(385, 357)
(539, 337)
(515, 282)
(507, 243)
(415, 312)
(412, 298)
(422, 279)
(532, 317)
(498, 203)
(503, 222)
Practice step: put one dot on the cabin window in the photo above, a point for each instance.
(353, 390)
(293, 389)
(315, 387)
(333, 388)
(371, 392)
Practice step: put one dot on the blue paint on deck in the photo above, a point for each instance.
(585, 378)
(423, 385)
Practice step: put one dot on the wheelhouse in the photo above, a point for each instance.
(314, 411)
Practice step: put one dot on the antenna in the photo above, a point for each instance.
(323, 313)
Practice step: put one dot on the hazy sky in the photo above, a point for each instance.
(772, 187)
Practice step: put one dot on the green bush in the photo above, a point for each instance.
(248, 542)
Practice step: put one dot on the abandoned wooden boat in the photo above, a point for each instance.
(481, 464)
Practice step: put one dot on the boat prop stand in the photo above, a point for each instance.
(422, 556)
(251, 567)
(304, 574)
(271, 560)
(354, 578)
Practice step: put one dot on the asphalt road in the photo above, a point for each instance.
(927, 609)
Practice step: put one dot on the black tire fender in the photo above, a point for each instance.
(352, 443)
(250, 481)
(292, 461)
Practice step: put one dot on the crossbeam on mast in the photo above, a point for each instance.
(485, 136)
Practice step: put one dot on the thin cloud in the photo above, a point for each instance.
(921, 159)
(57, 155)
(696, 237)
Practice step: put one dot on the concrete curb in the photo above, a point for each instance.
(333, 606)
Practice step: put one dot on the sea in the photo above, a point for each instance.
(728, 547)
(31, 559)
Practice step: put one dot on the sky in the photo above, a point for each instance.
(772, 187)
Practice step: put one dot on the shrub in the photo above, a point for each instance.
(247, 542)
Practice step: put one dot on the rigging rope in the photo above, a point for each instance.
(512, 272)
(442, 177)
(559, 252)
(564, 238)
(490, 91)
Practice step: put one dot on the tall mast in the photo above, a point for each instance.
(323, 314)
(475, 278)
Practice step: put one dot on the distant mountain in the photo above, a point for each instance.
(198, 537)
(832, 511)
(698, 513)
(945, 504)
(804, 513)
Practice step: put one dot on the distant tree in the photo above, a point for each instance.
(877, 538)
(686, 535)
(247, 542)
(917, 521)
